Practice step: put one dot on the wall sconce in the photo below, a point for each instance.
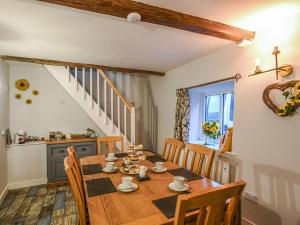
(283, 71)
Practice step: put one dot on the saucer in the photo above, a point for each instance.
(126, 190)
(110, 171)
(173, 188)
(111, 160)
(159, 171)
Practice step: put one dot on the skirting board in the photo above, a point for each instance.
(3, 194)
(27, 183)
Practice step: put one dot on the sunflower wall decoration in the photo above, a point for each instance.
(28, 101)
(35, 92)
(18, 96)
(22, 84)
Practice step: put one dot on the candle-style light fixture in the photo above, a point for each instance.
(283, 71)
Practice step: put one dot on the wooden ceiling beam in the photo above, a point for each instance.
(81, 65)
(159, 16)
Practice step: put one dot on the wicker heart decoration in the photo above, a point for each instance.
(291, 91)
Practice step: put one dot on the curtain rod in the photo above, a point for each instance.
(236, 77)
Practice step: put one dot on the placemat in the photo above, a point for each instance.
(185, 173)
(121, 154)
(155, 158)
(167, 205)
(91, 169)
(100, 186)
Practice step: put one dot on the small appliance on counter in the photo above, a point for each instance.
(20, 137)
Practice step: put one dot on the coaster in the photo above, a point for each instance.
(91, 169)
(185, 173)
(142, 178)
(167, 205)
(100, 186)
(155, 158)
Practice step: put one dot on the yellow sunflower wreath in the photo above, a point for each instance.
(35, 92)
(292, 97)
(22, 84)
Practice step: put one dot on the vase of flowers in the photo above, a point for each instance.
(211, 130)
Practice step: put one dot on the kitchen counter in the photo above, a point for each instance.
(66, 141)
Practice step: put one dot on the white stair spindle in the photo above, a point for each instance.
(125, 121)
(112, 108)
(83, 83)
(91, 87)
(105, 103)
(76, 79)
(98, 93)
(119, 108)
(132, 125)
(69, 74)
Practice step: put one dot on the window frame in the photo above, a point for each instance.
(221, 93)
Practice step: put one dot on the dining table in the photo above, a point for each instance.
(137, 207)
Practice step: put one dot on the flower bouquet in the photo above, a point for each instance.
(211, 129)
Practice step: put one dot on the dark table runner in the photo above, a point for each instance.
(185, 173)
(91, 169)
(155, 158)
(100, 186)
(167, 205)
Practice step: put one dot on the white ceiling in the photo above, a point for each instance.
(30, 28)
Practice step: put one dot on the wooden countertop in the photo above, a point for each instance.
(66, 141)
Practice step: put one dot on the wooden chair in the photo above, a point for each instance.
(110, 143)
(198, 157)
(77, 188)
(72, 153)
(172, 149)
(213, 209)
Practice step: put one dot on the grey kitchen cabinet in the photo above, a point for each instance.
(56, 154)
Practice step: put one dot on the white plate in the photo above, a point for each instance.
(111, 160)
(126, 190)
(110, 171)
(173, 188)
(159, 171)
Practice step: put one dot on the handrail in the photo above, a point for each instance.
(128, 104)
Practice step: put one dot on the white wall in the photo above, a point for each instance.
(267, 145)
(4, 111)
(34, 156)
(54, 109)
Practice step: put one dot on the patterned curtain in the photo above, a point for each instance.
(182, 118)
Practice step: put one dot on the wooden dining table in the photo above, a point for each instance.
(135, 208)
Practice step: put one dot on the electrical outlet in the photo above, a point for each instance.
(250, 196)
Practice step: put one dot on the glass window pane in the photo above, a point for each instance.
(228, 108)
(212, 109)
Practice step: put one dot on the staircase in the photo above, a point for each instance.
(99, 97)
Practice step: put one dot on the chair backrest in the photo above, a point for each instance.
(211, 204)
(225, 168)
(198, 159)
(172, 149)
(76, 187)
(110, 143)
(72, 152)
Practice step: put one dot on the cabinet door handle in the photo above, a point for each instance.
(61, 151)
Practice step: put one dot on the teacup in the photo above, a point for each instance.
(109, 166)
(179, 182)
(127, 182)
(159, 166)
(111, 156)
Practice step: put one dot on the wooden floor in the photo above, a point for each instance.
(39, 205)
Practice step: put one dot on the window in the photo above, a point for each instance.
(211, 103)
